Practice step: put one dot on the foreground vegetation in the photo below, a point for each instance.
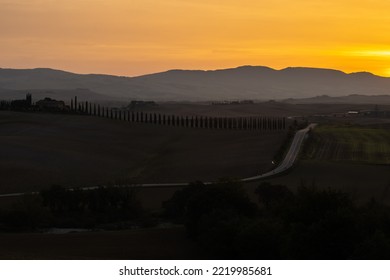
(104, 207)
(221, 220)
(308, 224)
(349, 143)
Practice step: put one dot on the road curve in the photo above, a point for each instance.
(287, 163)
(289, 159)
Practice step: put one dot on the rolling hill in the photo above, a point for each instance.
(246, 82)
(349, 99)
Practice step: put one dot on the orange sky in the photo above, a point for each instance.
(134, 37)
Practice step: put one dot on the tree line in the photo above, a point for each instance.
(57, 206)
(131, 114)
(241, 123)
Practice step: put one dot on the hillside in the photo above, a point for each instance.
(246, 82)
(73, 150)
(349, 99)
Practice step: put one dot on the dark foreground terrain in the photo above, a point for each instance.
(325, 207)
(38, 150)
(169, 243)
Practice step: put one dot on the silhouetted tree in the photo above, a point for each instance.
(193, 203)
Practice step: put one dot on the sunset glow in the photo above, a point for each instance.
(382, 54)
(136, 37)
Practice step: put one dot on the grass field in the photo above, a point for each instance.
(349, 144)
(38, 150)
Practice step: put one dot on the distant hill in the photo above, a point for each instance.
(246, 82)
(350, 99)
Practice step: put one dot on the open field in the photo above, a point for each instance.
(350, 158)
(362, 181)
(168, 243)
(264, 108)
(38, 150)
(349, 143)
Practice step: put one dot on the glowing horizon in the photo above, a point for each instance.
(147, 36)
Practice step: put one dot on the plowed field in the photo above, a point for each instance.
(350, 143)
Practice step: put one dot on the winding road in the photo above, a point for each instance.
(287, 163)
(289, 159)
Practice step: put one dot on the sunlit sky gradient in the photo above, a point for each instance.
(134, 37)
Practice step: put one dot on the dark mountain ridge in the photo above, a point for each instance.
(245, 82)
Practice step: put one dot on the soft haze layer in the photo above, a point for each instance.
(143, 36)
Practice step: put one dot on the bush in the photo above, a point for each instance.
(196, 202)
